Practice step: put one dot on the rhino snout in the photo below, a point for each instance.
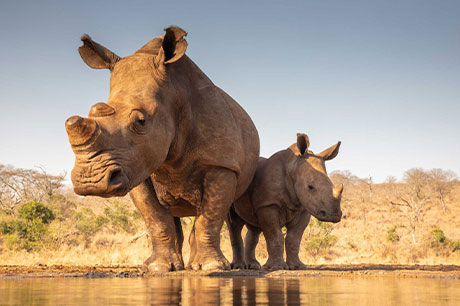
(113, 182)
(334, 217)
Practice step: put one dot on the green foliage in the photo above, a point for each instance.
(32, 211)
(438, 235)
(319, 245)
(319, 238)
(6, 227)
(392, 235)
(88, 223)
(29, 230)
(62, 208)
(441, 243)
(11, 241)
(120, 217)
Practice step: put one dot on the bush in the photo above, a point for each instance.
(319, 245)
(32, 211)
(30, 230)
(392, 235)
(319, 238)
(438, 235)
(121, 217)
(88, 223)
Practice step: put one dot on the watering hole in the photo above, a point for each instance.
(207, 290)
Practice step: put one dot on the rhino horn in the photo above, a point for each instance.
(337, 191)
(80, 130)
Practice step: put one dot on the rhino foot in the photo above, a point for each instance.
(207, 264)
(272, 265)
(155, 264)
(296, 265)
(253, 265)
(238, 265)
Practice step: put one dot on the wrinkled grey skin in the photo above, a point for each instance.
(176, 142)
(286, 190)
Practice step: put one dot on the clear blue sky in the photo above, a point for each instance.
(381, 76)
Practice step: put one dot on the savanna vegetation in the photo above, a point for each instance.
(415, 220)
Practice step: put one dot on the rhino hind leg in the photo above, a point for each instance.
(219, 187)
(179, 238)
(162, 229)
(250, 243)
(235, 225)
(295, 231)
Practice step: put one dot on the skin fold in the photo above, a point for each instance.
(176, 142)
(287, 189)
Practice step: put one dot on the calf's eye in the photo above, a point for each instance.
(311, 187)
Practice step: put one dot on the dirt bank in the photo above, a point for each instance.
(362, 270)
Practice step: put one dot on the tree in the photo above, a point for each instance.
(21, 185)
(441, 184)
(344, 177)
(414, 198)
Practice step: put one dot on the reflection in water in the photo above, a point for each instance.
(231, 291)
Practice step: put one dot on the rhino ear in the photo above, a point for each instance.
(330, 152)
(95, 55)
(302, 143)
(173, 46)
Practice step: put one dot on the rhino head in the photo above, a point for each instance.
(312, 185)
(124, 140)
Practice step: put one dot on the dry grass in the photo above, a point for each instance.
(362, 236)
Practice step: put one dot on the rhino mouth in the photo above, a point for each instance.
(322, 215)
(111, 182)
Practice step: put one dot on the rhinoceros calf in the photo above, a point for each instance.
(286, 190)
(167, 135)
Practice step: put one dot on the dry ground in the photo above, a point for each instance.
(401, 271)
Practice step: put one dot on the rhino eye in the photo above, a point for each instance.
(137, 119)
(311, 187)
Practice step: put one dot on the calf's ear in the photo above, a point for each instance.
(95, 55)
(302, 143)
(173, 46)
(330, 152)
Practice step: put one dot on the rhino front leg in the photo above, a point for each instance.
(218, 194)
(295, 231)
(269, 220)
(162, 229)
(250, 243)
(235, 225)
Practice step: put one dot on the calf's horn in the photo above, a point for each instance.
(337, 191)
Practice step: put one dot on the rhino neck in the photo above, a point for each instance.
(289, 163)
(187, 81)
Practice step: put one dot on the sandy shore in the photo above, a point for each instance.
(361, 270)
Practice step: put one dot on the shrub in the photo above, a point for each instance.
(319, 245)
(88, 223)
(438, 235)
(30, 230)
(121, 217)
(392, 235)
(319, 238)
(33, 210)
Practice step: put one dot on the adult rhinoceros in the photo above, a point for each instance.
(167, 135)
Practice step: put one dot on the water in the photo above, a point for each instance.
(230, 291)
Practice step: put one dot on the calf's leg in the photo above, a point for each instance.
(250, 243)
(235, 225)
(295, 231)
(269, 220)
